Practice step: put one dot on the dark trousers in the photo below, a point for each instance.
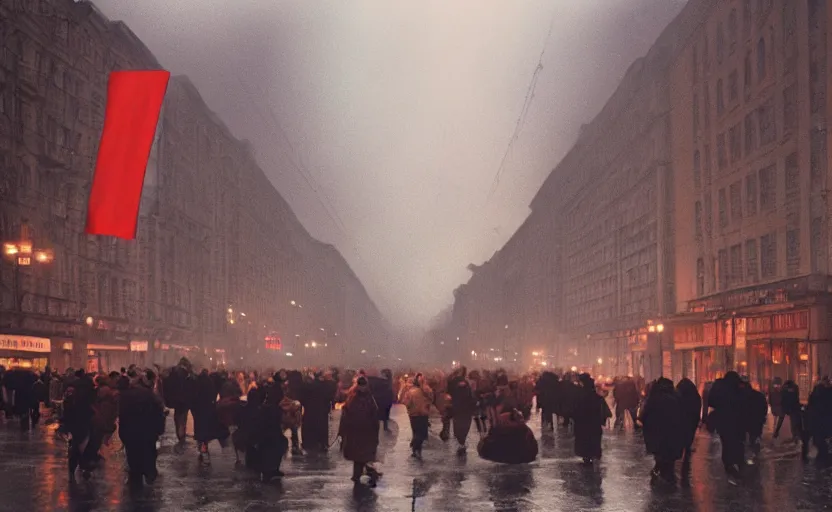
(794, 423)
(295, 438)
(621, 412)
(180, 420)
(462, 425)
(141, 459)
(546, 418)
(733, 451)
(419, 426)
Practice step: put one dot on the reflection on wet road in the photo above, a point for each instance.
(34, 477)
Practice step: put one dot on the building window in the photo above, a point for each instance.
(751, 266)
(732, 30)
(697, 219)
(706, 55)
(747, 79)
(751, 195)
(695, 63)
(720, 98)
(733, 87)
(761, 59)
(720, 43)
(706, 164)
(722, 204)
(768, 255)
(765, 118)
(695, 116)
(697, 170)
(736, 264)
(746, 14)
(735, 138)
(706, 98)
(700, 277)
(709, 214)
(750, 133)
(792, 252)
(816, 241)
(735, 196)
(792, 175)
(723, 268)
(721, 155)
(789, 109)
(768, 189)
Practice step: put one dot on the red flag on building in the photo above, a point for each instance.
(134, 102)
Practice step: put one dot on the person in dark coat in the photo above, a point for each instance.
(271, 443)
(207, 425)
(359, 431)
(728, 402)
(76, 421)
(789, 407)
(590, 414)
(691, 404)
(245, 438)
(26, 403)
(141, 420)
(316, 400)
(664, 428)
(179, 390)
(510, 441)
(546, 390)
(755, 416)
(463, 406)
(382, 389)
(626, 399)
(819, 416)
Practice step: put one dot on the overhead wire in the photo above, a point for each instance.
(521, 119)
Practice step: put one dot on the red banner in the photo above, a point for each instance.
(134, 102)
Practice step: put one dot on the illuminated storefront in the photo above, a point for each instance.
(24, 351)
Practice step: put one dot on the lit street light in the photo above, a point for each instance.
(21, 253)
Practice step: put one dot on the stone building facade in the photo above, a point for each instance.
(750, 139)
(220, 263)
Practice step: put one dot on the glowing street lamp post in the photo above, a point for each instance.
(22, 253)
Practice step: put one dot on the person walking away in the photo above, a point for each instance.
(382, 389)
(664, 429)
(626, 399)
(727, 401)
(691, 404)
(316, 400)
(819, 415)
(105, 414)
(464, 407)
(179, 388)
(272, 444)
(207, 425)
(418, 400)
(76, 422)
(359, 431)
(789, 407)
(141, 420)
(755, 417)
(775, 399)
(590, 414)
(546, 389)
(291, 418)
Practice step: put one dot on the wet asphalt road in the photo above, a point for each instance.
(33, 477)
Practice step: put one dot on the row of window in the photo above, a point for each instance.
(760, 195)
(746, 263)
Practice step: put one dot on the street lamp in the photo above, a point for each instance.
(21, 253)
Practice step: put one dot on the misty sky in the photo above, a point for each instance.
(401, 112)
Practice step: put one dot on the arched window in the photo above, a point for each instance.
(761, 59)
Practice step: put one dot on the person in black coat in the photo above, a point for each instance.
(789, 406)
(463, 406)
(207, 425)
(179, 390)
(627, 399)
(755, 416)
(382, 390)
(546, 390)
(691, 404)
(664, 428)
(141, 420)
(728, 402)
(590, 414)
(316, 400)
(76, 421)
(819, 416)
(271, 443)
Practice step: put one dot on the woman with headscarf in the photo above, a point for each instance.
(359, 431)
(590, 414)
(664, 428)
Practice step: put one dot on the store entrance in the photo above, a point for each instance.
(783, 359)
